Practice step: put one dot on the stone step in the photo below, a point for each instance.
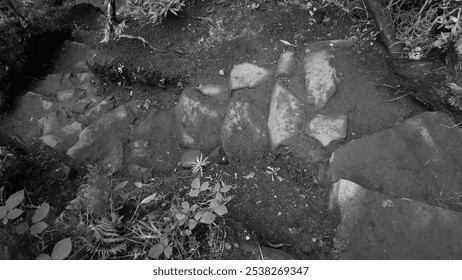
(376, 226)
(418, 159)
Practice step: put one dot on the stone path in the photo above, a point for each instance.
(397, 191)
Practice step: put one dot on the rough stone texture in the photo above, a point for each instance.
(93, 139)
(72, 58)
(218, 92)
(54, 83)
(285, 115)
(374, 226)
(115, 158)
(31, 107)
(198, 120)
(417, 159)
(138, 171)
(64, 137)
(66, 98)
(96, 112)
(154, 145)
(189, 157)
(327, 128)
(247, 75)
(287, 64)
(321, 80)
(244, 132)
(51, 122)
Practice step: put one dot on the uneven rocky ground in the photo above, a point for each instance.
(326, 162)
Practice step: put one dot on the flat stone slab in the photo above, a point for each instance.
(375, 226)
(285, 115)
(327, 128)
(247, 75)
(321, 81)
(419, 159)
(71, 58)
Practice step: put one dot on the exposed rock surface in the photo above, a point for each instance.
(321, 79)
(416, 159)
(199, 120)
(327, 128)
(285, 116)
(375, 226)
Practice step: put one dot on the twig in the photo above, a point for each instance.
(456, 125)
(141, 39)
(261, 253)
(397, 98)
(207, 19)
(388, 86)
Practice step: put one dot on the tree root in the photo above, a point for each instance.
(142, 40)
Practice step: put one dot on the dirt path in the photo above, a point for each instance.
(283, 204)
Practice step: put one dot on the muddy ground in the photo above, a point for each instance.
(205, 39)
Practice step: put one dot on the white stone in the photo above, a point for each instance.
(286, 64)
(247, 75)
(343, 193)
(327, 128)
(320, 79)
(285, 115)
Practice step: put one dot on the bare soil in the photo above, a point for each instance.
(289, 214)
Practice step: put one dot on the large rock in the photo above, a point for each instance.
(154, 145)
(418, 159)
(199, 119)
(244, 132)
(327, 128)
(285, 115)
(247, 75)
(374, 226)
(93, 140)
(321, 80)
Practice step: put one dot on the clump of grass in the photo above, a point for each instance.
(425, 25)
(163, 218)
(153, 10)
